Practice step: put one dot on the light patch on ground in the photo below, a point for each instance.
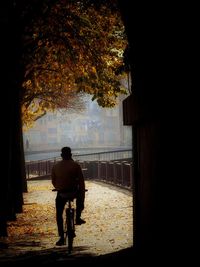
(108, 213)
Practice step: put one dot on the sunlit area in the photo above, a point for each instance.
(102, 145)
(108, 215)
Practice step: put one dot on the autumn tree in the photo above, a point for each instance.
(52, 51)
(71, 48)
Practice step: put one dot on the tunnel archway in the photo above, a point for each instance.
(151, 56)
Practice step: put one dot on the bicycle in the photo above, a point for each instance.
(69, 223)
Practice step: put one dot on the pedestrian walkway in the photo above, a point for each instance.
(108, 228)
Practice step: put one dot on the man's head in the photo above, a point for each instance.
(66, 152)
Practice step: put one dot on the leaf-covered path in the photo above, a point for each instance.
(108, 215)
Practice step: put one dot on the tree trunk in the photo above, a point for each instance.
(13, 167)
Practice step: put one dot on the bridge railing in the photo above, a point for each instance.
(112, 167)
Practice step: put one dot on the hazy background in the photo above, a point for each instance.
(94, 129)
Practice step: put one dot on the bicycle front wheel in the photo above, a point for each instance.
(70, 229)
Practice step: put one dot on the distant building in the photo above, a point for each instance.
(95, 127)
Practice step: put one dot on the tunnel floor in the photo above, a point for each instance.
(109, 223)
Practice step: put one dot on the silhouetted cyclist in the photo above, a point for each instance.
(67, 176)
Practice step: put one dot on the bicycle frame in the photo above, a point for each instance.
(69, 224)
(69, 227)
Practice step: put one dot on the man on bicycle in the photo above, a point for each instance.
(67, 177)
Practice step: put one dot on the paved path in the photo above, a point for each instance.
(108, 228)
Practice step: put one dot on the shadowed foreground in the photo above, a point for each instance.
(60, 258)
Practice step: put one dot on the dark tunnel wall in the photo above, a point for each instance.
(157, 117)
(156, 112)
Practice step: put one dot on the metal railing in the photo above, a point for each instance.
(113, 172)
(113, 167)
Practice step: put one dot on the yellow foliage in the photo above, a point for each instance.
(80, 52)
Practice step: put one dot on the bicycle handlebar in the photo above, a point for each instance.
(54, 189)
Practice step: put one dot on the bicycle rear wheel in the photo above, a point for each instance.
(70, 229)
